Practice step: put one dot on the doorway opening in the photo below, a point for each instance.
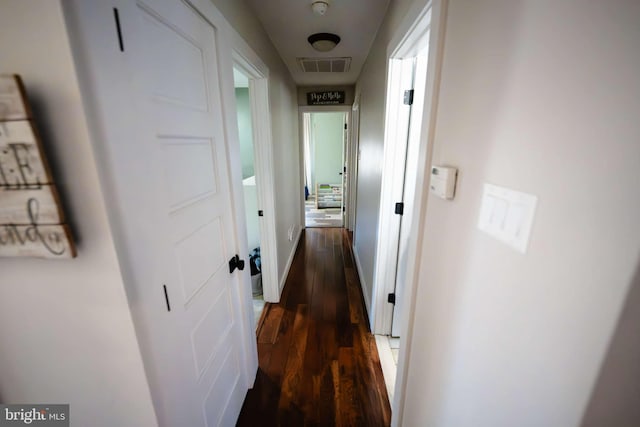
(325, 145)
(251, 77)
(249, 187)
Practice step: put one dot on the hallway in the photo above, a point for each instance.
(318, 361)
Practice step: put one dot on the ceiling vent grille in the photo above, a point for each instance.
(324, 65)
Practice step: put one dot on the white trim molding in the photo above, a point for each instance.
(352, 166)
(363, 284)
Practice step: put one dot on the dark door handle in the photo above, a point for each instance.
(166, 297)
(236, 262)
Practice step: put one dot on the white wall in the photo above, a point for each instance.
(251, 212)
(542, 97)
(284, 126)
(245, 131)
(614, 401)
(65, 328)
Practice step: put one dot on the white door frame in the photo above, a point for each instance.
(252, 66)
(352, 166)
(423, 16)
(319, 109)
(346, 165)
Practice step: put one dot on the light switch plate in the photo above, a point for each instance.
(507, 215)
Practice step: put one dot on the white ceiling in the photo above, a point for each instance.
(289, 22)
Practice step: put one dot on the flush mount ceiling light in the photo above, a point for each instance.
(320, 7)
(323, 42)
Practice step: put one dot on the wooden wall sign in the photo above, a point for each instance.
(12, 99)
(327, 97)
(31, 219)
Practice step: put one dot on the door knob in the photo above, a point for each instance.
(236, 262)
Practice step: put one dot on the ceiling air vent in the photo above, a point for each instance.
(324, 65)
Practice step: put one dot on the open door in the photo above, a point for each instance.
(393, 206)
(346, 190)
(410, 169)
(158, 107)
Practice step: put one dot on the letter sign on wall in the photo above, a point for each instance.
(31, 220)
(328, 97)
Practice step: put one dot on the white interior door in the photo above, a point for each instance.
(410, 170)
(198, 342)
(394, 178)
(154, 92)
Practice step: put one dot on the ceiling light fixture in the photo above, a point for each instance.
(320, 7)
(323, 42)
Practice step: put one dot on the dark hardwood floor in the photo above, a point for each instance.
(319, 364)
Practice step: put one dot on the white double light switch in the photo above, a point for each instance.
(507, 215)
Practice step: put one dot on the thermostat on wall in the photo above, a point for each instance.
(443, 181)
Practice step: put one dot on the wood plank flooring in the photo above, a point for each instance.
(319, 364)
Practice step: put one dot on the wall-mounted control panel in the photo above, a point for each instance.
(443, 181)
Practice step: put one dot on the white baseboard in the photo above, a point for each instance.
(287, 267)
(389, 368)
(363, 284)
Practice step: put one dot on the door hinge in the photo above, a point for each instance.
(345, 126)
(391, 298)
(260, 213)
(399, 208)
(408, 97)
(116, 17)
(236, 262)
